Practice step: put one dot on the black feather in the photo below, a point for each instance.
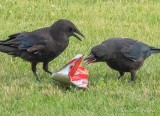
(122, 54)
(41, 45)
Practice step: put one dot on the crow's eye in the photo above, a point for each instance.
(70, 29)
(94, 54)
(98, 55)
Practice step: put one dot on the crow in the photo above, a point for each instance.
(41, 45)
(121, 54)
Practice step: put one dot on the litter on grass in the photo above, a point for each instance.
(73, 73)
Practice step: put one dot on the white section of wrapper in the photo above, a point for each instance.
(63, 74)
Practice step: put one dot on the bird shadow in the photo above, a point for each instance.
(62, 86)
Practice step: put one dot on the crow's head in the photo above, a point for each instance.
(97, 54)
(66, 28)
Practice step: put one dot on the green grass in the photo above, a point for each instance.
(21, 95)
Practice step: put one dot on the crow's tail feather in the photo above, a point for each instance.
(8, 49)
(155, 50)
(11, 50)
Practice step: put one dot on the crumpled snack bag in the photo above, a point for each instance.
(73, 73)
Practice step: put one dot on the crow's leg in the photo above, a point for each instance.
(121, 74)
(133, 73)
(45, 67)
(34, 70)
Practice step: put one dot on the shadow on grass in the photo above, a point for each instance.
(62, 86)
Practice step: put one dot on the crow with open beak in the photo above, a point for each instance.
(121, 54)
(41, 45)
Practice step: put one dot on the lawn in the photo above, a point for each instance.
(98, 20)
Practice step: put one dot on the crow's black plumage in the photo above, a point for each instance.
(41, 45)
(122, 54)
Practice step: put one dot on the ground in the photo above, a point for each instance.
(98, 20)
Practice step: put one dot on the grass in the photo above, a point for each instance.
(20, 94)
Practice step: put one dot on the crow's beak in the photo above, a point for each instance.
(90, 59)
(79, 33)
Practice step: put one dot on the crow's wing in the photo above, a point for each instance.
(26, 41)
(13, 36)
(135, 51)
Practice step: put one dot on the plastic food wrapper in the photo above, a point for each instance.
(73, 73)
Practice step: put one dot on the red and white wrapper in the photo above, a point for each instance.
(73, 73)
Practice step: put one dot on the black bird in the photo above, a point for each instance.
(121, 54)
(41, 45)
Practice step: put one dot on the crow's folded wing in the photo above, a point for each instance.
(135, 51)
(35, 48)
(25, 41)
